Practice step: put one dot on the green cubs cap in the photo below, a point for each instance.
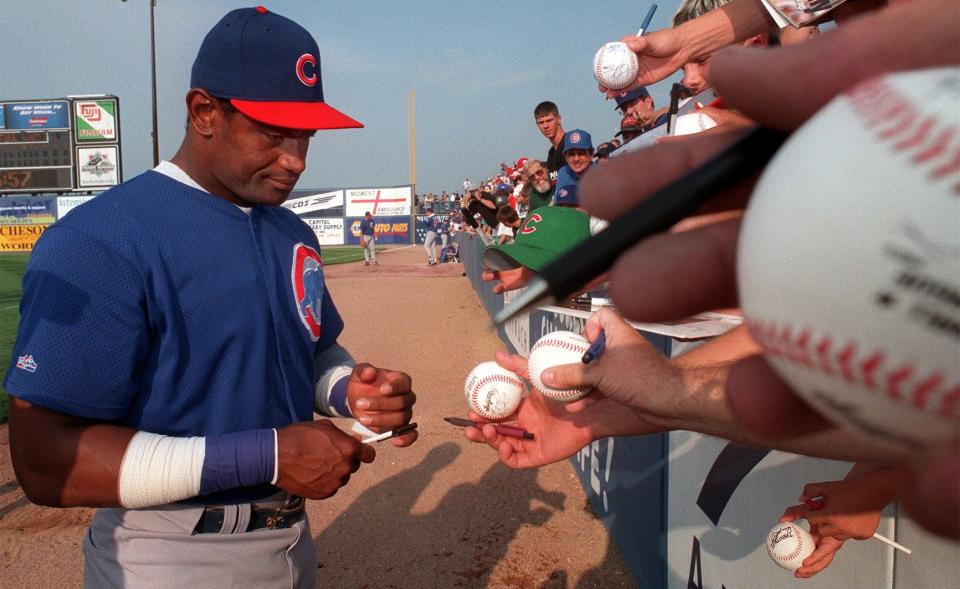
(546, 233)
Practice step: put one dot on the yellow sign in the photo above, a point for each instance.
(20, 238)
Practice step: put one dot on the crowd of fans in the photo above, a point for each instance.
(735, 395)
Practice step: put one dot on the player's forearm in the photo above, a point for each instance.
(65, 462)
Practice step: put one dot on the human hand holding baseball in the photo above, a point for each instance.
(315, 458)
(647, 387)
(382, 399)
(560, 429)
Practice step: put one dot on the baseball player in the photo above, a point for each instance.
(432, 225)
(368, 240)
(177, 336)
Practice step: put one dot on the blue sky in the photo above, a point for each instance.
(478, 69)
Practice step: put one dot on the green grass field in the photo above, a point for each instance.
(12, 267)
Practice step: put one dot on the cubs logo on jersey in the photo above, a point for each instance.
(308, 287)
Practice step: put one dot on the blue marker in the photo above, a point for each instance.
(596, 348)
(647, 19)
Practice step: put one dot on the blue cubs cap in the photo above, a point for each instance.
(576, 139)
(269, 68)
(630, 95)
(566, 196)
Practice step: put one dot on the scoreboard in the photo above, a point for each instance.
(60, 145)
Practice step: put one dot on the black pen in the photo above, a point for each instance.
(567, 273)
(596, 348)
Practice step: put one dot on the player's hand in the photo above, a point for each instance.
(382, 400)
(315, 458)
(560, 429)
(508, 279)
(821, 557)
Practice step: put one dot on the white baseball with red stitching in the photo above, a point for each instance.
(555, 349)
(849, 258)
(788, 544)
(493, 391)
(615, 66)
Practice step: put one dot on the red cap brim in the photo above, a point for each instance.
(296, 115)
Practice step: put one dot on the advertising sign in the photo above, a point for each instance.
(65, 204)
(321, 201)
(379, 201)
(27, 211)
(395, 229)
(96, 120)
(97, 166)
(20, 238)
(328, 231)
(51, 114)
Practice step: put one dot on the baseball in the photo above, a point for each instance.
(694, 122)
(615, 66)
(848, 258)
(555, 349)
(788, 544)
(493, 391)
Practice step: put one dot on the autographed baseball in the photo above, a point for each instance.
(493, 391)
(849, 258)
(788, 544)
(694, 122)
(615, 66)
(555, 349)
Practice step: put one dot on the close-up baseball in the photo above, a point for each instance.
(694, 122)
(493, 391)
(615, 66)
(847, 263)
(556, 349)
(788, 544)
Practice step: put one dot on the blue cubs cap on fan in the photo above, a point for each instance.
(630, 95)
(577, 139)
(269, 68)
(566, 196)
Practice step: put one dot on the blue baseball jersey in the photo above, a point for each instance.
(170, 310)
(431, 223)
(366, 227)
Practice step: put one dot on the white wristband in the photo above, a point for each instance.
(332, 364)
(160, 469)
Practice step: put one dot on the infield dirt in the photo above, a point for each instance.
(441, 513)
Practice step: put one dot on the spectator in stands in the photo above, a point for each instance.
(547, 116)
(696, 73)
(638, 104)
(630, 129)
(483, 203)
(578, 151)
(603, 151)
(538, 188)
(509, 223)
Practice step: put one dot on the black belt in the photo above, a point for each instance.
(271, 518)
